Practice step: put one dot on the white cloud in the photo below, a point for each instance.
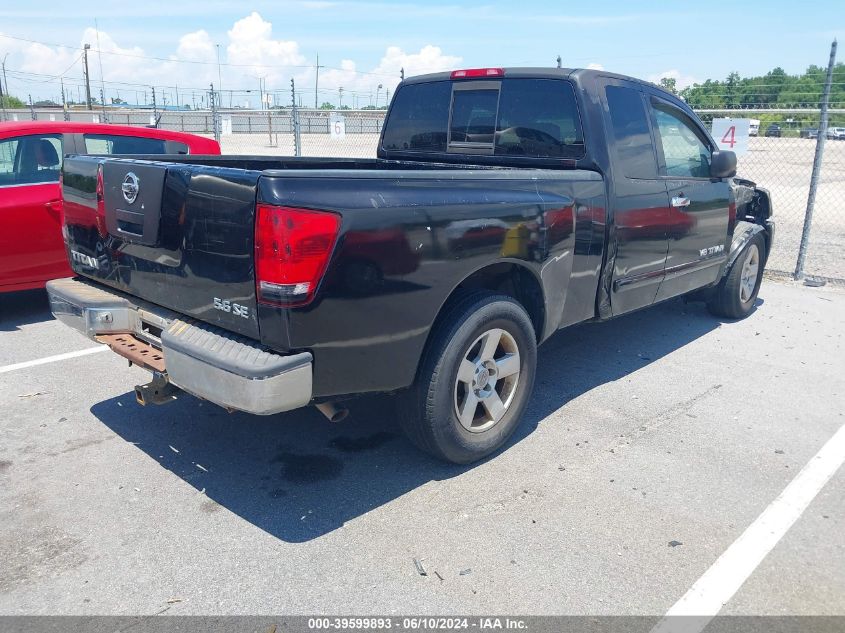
(429, 59)
(250, 50)
(196, 46)
(681, 81)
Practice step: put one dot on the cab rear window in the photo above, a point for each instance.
(534, 118)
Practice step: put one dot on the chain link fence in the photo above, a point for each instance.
(779, 158)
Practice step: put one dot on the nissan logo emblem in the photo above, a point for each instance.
(130, 187)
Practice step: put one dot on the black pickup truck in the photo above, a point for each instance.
(504, 205)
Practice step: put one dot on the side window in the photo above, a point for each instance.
(117, 144)
(634, 148)
(8, 151)
(418, 118)
(686, 155)
(27, 160)
(539, 117)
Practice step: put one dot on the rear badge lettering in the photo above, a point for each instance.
(237, 309)
(85, 260)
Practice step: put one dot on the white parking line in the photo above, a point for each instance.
(53, 359)
(724, 578)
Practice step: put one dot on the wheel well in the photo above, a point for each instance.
(508, 279)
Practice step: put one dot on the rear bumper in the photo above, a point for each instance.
(227, 369)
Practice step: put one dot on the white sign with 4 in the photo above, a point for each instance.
(731, 134)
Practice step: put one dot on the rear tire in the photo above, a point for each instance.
(735, 295)
(475, 379)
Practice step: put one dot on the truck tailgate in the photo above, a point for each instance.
(175, 235)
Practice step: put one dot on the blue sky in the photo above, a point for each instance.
(363, 44)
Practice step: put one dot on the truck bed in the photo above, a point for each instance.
(409, 233)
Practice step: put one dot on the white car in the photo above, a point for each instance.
(753, 127)
(836, 133)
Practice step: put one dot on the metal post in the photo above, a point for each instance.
(32, 109)
(103, 103)
(817, 165)
(64, 103)
(316, 81)
(215, 115)
(297, 146)
(155, 106)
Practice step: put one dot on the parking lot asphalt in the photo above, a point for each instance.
(651, 443)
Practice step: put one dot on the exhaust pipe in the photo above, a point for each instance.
(157, 391)
(332, 413)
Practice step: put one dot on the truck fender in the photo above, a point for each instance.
(743, 232)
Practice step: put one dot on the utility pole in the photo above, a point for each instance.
(402, 73)
(340, 98)
(85, 50)
(155, 107)
(32, 109)
(377, 89)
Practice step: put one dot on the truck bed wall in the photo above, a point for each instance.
(408, 241)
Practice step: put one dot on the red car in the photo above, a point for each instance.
(31, 247)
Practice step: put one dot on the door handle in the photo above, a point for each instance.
(53, 205)
(680, 201)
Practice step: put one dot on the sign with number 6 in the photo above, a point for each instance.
(337, 126)
(731, 134)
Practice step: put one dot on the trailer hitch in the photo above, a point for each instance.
(158, 391)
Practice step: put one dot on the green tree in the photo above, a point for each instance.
(775, 88)
(8, 101)
(669, 83)
(327, 106)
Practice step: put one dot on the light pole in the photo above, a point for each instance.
(340, 98)
(377, 89)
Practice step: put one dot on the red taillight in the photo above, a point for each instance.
(101, 203)
(477, 72)
(292, 249)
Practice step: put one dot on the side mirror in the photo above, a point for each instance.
(722, 164)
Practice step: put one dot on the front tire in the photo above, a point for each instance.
(475, 379)
(736, 294)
